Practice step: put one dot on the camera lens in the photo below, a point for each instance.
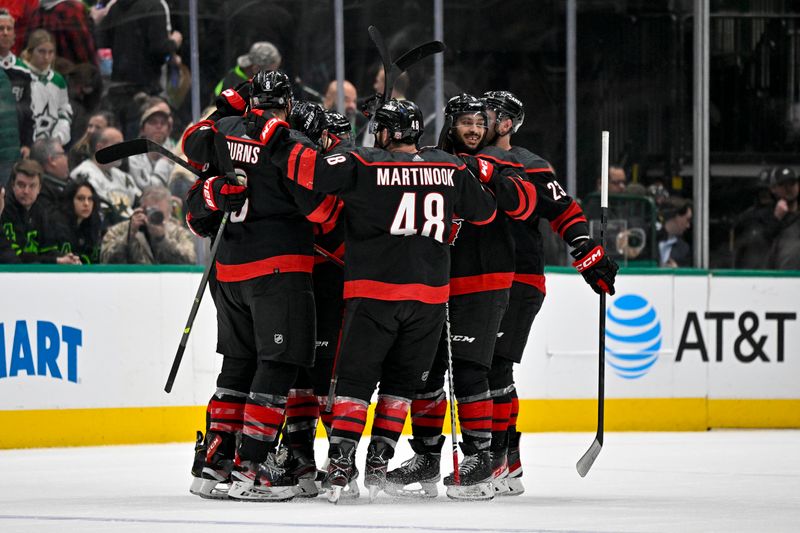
(154, 216)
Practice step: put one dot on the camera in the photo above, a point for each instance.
(154, 216)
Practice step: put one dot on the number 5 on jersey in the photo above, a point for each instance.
(405, 219)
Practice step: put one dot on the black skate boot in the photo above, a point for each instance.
(475, 475)
(301, 466)
(342, 472)
(266, 481)
(499, 451)
(514, 480)
(378, 455)
(213, 463)
(422, 469)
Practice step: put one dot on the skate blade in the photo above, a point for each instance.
(306, 488)
(210, 489)
(373, 492)
(348, 492)
(500, 486)
(479, 491)
(245, 492)
(425, 490)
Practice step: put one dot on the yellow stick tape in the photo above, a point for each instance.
(139, 425)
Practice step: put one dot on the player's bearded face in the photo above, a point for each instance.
(470, 130)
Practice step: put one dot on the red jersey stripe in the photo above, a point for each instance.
(293, 162)
(407, 163)
(265, 267)
(378, 290)
(534, 280)
(305, 169)
(480, 283)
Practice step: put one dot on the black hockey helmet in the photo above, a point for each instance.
(402, 118)
(507, 106)
(308, 118)
(337, 124)
(271, 89)
(464, 104)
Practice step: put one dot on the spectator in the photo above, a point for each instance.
(262, 56)
(85, 88)
(21, 79)
(617, 180)
(52, 114)
(674, 251)
(7, 254)
(151, 168)
(350, 98)
(27, 223)
(22, 11)
(79, 151)
(116, 190)
(785, 254)
(77, 223)
(139, 33)
(9, 130)
(50, 154)
(755, 228)
(68, 22)
(151, 236)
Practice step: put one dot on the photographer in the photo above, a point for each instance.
(151, 236)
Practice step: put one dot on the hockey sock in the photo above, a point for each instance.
(263, 418)
(501, 383)
(302, 412)
(475, 417)
(427, 416)
(512, 417)
(349, 418)
(226, 411)
(501, 410)
(390, 416)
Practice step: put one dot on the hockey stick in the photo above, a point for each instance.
(405, 61)
(586, 462)
(125, 149)
(451, 393)
(176, 363)
(225, 161)
(142, 146)
(377, 39)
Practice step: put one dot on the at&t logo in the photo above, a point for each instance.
(633, 336)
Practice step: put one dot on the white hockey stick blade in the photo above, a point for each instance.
(586, 462)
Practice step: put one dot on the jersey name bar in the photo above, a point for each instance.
(416, 176)
(244, 153)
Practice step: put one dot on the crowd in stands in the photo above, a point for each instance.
(76, 79)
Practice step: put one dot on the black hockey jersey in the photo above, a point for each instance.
(273, 231)
(397, 213)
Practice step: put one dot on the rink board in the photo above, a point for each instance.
(84, 355)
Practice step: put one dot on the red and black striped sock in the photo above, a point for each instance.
(225, 411)
(501, 413)
(475, 417)
(263, 418)
(427, 415)
(390, 415)
(512, 417)
(326, 418)
(349, 418)
(302, 413)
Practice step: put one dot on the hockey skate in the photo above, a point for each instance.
(213, 463)
(514, 479)
(340, 481)
(262, 482)
(378, 455)
(302, 467)
(421, 471)
(499, 452)
(475, 475)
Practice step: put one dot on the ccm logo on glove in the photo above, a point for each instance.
(590, 260)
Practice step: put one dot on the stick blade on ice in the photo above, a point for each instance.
(586, 462)
(118, 151)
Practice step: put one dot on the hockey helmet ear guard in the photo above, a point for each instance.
(506, 105)
(271, 89)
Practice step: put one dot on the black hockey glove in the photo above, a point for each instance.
(371, 104)
(233, 102)
(596, 268)
(204, 227)
(224, 194)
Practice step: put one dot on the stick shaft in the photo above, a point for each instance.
(604, 170)
(452, 395)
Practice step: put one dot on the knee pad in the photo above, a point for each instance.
(501, 375)
(470, 379)
(274, 378)
(236, 374)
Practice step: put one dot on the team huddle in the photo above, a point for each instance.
(344, 269)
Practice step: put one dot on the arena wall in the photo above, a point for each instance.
(85, 352)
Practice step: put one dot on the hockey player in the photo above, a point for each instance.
(265, 305)
(306, 402)
(506, 115)
(481, 277)
(398, 203)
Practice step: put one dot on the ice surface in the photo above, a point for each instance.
(672, 482)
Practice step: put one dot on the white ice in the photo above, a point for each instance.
(668, 482)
